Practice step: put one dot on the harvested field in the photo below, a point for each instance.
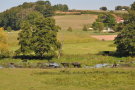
(104, 37)
(76, 22)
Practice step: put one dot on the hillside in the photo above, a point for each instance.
(75, 21)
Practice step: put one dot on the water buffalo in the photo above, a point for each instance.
(66, 64)
(76, 64)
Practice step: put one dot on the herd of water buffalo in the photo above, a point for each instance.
(45, 65)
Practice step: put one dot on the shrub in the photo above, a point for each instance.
(69, 29)
(85, 28)
(9, 29)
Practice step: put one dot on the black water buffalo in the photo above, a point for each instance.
(76, 64)
(65, 64)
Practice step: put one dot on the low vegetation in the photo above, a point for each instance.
(59, 79)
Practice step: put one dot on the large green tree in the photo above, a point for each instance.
(45, 37)
(39, 36)
(125, 40)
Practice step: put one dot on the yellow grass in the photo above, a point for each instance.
(75, 21)
(67, 79)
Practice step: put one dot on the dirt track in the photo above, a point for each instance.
(104, 37)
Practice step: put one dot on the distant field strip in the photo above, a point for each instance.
(75, 21)
(104, 37)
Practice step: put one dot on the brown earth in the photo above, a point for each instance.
(104, 37)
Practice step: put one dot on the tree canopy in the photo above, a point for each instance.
(103, 8)
(125, 40)
(14, 16)
(61, 7)
(122, 7)
(38, 36)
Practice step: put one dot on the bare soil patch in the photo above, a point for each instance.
(104, 37)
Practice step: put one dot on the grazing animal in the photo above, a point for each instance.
(115, 64)
(66, 64)
(76, 64)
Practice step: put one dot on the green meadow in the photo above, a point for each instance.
(77, 46)
(67, 79)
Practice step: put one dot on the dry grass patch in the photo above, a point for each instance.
(74, 21)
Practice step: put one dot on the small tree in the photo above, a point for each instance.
(85, 28)
(118, 8)
(122, 7)
(98, 26)
(9, 29)
(69, 29)
(103, 8)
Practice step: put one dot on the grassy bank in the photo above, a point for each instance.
(67, 79)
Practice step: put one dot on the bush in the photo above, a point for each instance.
(9, 29)
(85, 28)
(69, 29)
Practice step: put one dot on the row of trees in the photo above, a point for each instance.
(104, 8)
(122, 8)
(61, 7)
(12, 18)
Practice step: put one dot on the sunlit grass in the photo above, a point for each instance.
(67, 79)
(75, 21)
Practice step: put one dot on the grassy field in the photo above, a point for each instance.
(67, 79)
(75, 21)
(78, 46)
(79, 42)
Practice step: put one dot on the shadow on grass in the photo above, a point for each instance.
(114, 54)
(31, 57)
